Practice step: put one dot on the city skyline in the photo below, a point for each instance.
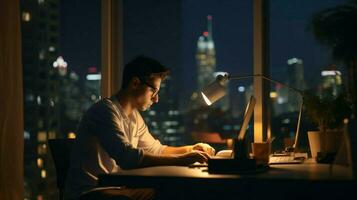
(233, 28)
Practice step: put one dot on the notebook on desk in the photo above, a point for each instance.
(294, 158)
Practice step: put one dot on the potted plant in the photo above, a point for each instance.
(327, 112)
(335, 28)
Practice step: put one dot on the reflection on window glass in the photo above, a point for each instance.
(60, 48)
(300, 61)
(197, 40)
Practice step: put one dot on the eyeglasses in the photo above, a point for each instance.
(154, 90)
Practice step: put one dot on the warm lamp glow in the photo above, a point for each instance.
(208, 102)
(215, 90)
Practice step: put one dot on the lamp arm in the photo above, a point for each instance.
(266, 78)
(300, 92)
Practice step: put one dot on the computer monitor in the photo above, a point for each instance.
(296, 139)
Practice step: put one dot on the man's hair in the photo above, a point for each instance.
(144, 68)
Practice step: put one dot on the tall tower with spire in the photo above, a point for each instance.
(205, 56)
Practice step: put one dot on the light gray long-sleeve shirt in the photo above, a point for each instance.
(107, 141)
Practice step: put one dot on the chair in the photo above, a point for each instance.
(61, 154)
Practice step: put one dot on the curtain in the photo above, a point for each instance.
(11, 103)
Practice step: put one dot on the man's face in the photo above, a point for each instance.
(149, 93)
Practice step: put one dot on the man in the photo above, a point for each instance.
(112, 136)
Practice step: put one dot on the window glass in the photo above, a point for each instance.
(196, 40)
(61, 71)
(298, 60)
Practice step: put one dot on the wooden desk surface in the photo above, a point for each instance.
(305, 171)
(309, 177)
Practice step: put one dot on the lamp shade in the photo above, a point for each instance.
(215, 90)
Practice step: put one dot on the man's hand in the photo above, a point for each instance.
(192, 157)
(204, 148)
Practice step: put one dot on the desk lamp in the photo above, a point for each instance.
(217, 90)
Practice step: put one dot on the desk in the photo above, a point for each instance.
(303, 180)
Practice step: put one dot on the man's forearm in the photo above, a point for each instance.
(153, 160)
(182, 160)
(176, 150)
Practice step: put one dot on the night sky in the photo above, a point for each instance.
(148, 31)
(80, 34)
(290, 37)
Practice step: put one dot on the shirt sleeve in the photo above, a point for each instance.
(146, 141)
(104, 122)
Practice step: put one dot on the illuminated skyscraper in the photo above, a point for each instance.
(206, 66)
(92, 87)
(42, 71)
(331, 80)
(295, 74)
(206, 56)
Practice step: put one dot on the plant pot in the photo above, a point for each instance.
(325, 143)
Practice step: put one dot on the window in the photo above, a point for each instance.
(298, 60)
(61, 47)
(197, 40)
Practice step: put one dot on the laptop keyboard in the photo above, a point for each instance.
(273, 159)
(290, 159)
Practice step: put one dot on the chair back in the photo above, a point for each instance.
(61, 154)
